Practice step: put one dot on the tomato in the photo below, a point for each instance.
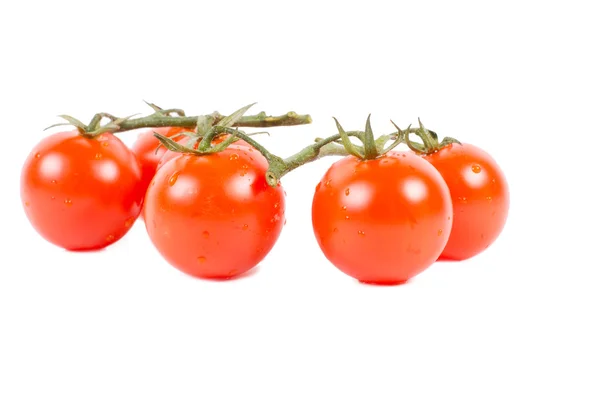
(480, 198)
(146, 149)
(214, 216)
(382, 221)
(81, 193)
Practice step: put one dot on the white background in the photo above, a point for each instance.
(517, 78)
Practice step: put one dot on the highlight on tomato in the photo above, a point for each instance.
(479, 190)
(381, 216)
(81, 192)
(214, 215)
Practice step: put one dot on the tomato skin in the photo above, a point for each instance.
(146, 149)
(480, 198)
(382, 221)
(214, 216)
(80, 193)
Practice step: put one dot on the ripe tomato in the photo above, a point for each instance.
(480, 198)
(145, 149)
(214, 216)
(384, 220)
(80, 193)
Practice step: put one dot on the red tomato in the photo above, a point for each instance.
(214, 216)
(480, 198)
(382, 221)
(145, 149)
(80, 193)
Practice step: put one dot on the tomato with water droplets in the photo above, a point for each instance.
(214, 216)
(81, 193)
(480, 197)
(384, 220)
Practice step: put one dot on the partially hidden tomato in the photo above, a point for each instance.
(148, 151)
(384, 220)
(480, 198)
(214, 216)
(81, 193)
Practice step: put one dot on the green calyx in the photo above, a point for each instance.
(431, 143)
(370, 147)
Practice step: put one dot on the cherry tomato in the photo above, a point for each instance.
(146, 149)
(214, 216)
(81, 193)
(384, 220)
(480, 198)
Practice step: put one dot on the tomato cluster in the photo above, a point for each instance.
(381, 217)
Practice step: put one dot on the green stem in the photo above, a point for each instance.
(260, 120)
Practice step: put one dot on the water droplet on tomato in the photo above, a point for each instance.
(440, 232)
(245, 166)
(494, 180)
(476, 168)
(251, 159)
(245, 227)
(201, 259)
(335, 230)
(68, 202)
(129, 222)
(463, 199)
(347, 191)
(233, 272)
(383, 162)
(403, 155)
(233, 157)
(328, 183)
(105, 144)
(52, 197)
(173, 178)
(205, 234)
(344, 208)
(448, 218)
(53, 181)
(482, 235)
(26, 204)
(276, 205)
(110, 238)
(347, 217)
(37, 155)
(98, 156)
(489, 198)
(361, 233)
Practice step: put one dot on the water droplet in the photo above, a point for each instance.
(98, 156)
(440, 232)
(233, 272)
(494, 180)
(361, 233)
(52, 198)
(344, 208)
(244, 166)
(476, 168)
(251, 159)
(347, 191)
(233, 157)
(129, 222)
(153, 182)
(201, 259)
(383, 162)
(110, 238)
(412, 168)
(335, 230)
(205, 234)
(68, 202)
(489, 198)
(328, 183)
(482, 235)
(26, 204)
(245, 227)
(105, 144)
(53, 181)
(173, 178)
(37, 155)
(463, 199)
(347, 217)
(318, 186)
(276, 205)
(448, 218)
(243, 173)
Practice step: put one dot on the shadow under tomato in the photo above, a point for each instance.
(393, 283)
(85, 250)
(248, 274)
(446, 259)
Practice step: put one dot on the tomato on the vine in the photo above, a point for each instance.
(81, 193)
(480, 198)
(214, 215)
(148, 151)
(382, 220)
